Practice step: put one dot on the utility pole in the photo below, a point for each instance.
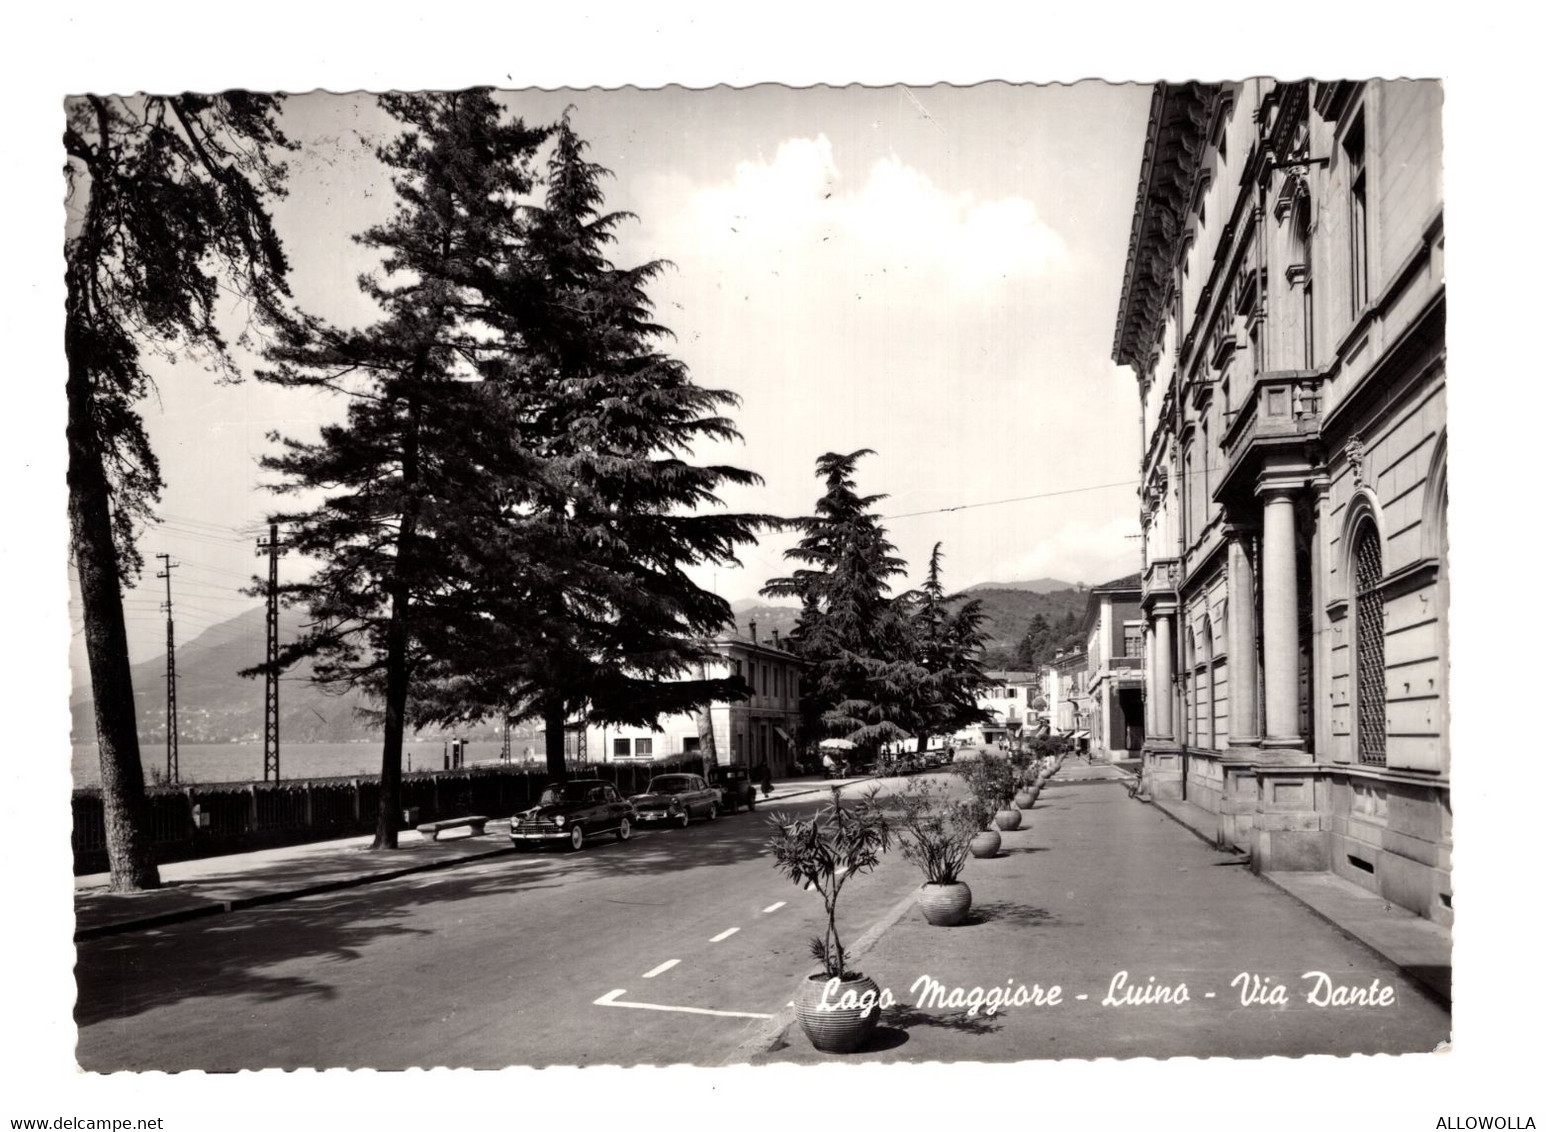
(504, 751)
(171, 670)
(273, 548)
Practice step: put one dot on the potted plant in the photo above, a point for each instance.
(837, 1006)
(992, 782)
(935, 835)
(987, 841)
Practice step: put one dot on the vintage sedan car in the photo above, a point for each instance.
(572, 811)
(676, 798)
(736, 788)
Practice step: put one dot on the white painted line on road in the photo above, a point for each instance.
(610, 999)
(1081, 997)
(1208, 995)
(662, 969)
(726, 934)
(773, 907)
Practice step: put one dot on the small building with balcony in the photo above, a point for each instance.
(1283, 312)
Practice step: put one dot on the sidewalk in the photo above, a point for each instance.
(1120, 907)
(1421, 948)
(212, 886)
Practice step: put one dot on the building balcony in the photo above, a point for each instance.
(1281, 412)
(1159, 581)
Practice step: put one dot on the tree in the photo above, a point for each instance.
(169, 200)
(403, 474)
(947, 639)
(851, 633)
(578, 596)
(1036, 646)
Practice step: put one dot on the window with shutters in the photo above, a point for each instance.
(1369, 644)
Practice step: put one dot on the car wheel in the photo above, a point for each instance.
(751, 803)
(684, 818)
(577, 838)
(624, 830)
(713, 811)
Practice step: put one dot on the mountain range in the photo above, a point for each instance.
(215, 705)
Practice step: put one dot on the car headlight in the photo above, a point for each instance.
(559, 821)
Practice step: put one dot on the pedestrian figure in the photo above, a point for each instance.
(765, 778)
(828, 764)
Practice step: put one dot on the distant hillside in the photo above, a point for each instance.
(1009, 612)
(215, 705)
(1039, 586)
(1008, 609)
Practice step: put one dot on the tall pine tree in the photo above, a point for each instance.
(946, 637)
(402, 477)
(580, 603)
(169, 200)
(852, 635)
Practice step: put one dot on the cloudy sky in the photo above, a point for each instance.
(929, 272)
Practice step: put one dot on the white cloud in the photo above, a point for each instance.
(896, 223)
(1078, 551)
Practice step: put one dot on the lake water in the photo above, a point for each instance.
(243, 762)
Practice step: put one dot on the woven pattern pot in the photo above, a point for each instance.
(945, 905)
(833, 1030)
(1007, 819)
(985, 844)
(1024, 800)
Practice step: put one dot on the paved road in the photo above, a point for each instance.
(493, 964)
(558, 958)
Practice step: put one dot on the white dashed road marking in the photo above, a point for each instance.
(610, 999)
(662, 969)
(773, 907)
(726, 934)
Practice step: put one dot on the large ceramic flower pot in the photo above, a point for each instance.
(834, 1028)
(945, 905)
(1025, 799)
(985, 844)
(1007, 819)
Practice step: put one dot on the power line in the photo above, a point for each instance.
(1016, 499)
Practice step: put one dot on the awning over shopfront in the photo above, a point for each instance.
(782, 734)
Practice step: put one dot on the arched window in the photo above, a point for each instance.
(1369, 643)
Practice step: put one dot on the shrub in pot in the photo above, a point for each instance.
(837, 1007)
(986, 841)
(991, 781)
(936, 835)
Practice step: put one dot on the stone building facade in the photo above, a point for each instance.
(1283, 311)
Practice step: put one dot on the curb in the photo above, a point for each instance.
(236, 904)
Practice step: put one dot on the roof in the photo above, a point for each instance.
(1132, 581)
(1178, 114)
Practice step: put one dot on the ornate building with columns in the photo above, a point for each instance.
(1283, 312)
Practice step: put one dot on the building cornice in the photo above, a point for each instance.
(1178, 117)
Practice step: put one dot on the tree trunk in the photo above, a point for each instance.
(124, 810)
(553, 718)
(387, 813)
(705, 720)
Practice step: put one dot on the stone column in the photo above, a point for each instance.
(1280, 618)
(1163, 683)
(1149, 685)
(1244, 728)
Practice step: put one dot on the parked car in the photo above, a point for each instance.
(676, 798)
(736, 788)
(573, 811)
